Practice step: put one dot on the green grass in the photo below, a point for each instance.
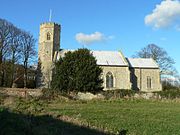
(137, 117)
(21, 121)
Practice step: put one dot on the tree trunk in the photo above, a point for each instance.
(1, 70)
(13, 69)
(25, 74)
(2, 76)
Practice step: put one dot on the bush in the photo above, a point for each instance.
(170, 93)
(49, 94)
(118, 93)
(77, 71)
(29, 106)
(169, 86)
(2, 97)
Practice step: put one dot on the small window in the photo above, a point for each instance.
(149, 82)
(109, 80)
(48, 36)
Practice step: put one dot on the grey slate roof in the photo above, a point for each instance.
(105, 58)
(113, 58)
(142, 63)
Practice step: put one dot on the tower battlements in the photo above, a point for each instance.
(49, 24)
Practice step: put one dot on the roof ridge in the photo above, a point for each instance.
(102, 51)
(124, 59)
(140, 58)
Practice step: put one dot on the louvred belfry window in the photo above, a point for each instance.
(48, 36)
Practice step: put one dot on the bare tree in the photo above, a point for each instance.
(5, 38)
(157, 53)
(16, 47)
(28, 52)
(14, 50)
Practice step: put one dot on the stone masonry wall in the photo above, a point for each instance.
(139, 79)
(121, 77)
(46, 52)
(20, 92)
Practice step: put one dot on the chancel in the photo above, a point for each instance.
(119, 72)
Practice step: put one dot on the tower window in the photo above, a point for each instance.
(149, 82)
(48, 36)
(109, 80)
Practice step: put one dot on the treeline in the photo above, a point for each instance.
(17, 50)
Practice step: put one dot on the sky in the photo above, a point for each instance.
(113, 25)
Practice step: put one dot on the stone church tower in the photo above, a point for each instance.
(49, 43)
(118, 72)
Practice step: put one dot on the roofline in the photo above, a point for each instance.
(122, 55)
(145, 67)
(130, 65)
(114, 65)
(155, 62)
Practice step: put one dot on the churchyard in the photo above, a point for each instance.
(62, 115)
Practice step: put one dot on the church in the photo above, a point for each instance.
(119, 72)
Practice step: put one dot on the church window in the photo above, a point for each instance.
(48, 36)
(149, 82)
(109, 80)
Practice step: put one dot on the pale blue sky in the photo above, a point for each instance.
(119, 24)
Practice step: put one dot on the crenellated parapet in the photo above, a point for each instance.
(49, 24)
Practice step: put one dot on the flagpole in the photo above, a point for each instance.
(50, 15)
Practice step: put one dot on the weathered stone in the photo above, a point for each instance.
(137, 96)
(100, 96)
(139, 79)
(20, 92)
(49, 43)
(123, 76)
(85, 96)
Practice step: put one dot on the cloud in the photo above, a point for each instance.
(95, 37)
(166, 14)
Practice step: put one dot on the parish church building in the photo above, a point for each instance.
(119, 72)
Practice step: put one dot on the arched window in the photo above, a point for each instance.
(48, 36)
(149, 82)
(109, 80)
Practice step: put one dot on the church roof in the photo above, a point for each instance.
(104, 58)
(113, 58)
(142, 63)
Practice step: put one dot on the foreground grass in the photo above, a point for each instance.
(24, 118)
(135, 117)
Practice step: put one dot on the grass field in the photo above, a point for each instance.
(135, 117)
(138, 117)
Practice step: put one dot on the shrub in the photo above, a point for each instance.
(29, 106)
(77, 71)
(2, 97)
(170, 93)
(168, 86)
(120, 93)
(49, 94)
